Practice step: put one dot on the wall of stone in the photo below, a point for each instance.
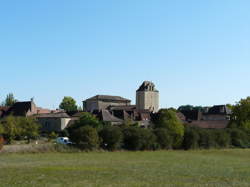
(147, 100)
(99, 105)
(53, 124)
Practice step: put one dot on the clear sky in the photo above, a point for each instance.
(196, 52)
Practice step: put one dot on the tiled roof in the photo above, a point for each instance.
(107, 116)
(53, 115)
(219, 124)
(219, 109)
(109, 98)
(20, 108)
(122, 107)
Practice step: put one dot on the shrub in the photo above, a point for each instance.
(163, 138)
(238, 138)
(139, 139)
(52, 136)
(111, 137)
(207, 139)
(148, 139)
(191, 138)
(222, 138)
(85, 137)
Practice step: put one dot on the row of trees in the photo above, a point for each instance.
(167, 132)
(90, 133)
(19, 128)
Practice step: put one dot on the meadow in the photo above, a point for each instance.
(159, 168)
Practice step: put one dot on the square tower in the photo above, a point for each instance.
(147, 97)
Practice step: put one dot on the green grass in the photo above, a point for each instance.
(160, 168)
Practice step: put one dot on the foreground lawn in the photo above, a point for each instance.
(160, 168)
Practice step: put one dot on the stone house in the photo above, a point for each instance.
(102, 102)
(53, 122)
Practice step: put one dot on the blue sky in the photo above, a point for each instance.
(196, 52)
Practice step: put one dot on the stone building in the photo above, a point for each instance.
(147, 97)
(102, 102)
(53, 122)
(26, 108)
(217, 112)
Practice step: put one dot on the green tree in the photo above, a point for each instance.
(86, 119)
(9, 128)
(68, 104)
(139, 139)
(10, 100)
(85, 137)
(111, 137)
(164, 139)
(168, 119)
(14, 128)
(29, 128)
(240, 117)
(191, 138)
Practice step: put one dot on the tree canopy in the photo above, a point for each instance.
(241, 114)
(19, 128)
(9, 100)
(68, 104)
(168, 119)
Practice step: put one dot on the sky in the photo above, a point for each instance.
(196, 52)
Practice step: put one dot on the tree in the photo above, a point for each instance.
(9, 128)
(13, 128)
(29, 128)
(164, 139)
(191, 138)
(68, 104)
(86, 119)
(139, 139)
(240, 117)
(85, 137)
(168, 119)
(10, 100)
(111, 137)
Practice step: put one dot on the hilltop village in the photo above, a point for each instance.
(117, 110)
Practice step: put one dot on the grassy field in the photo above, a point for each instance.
(160, 168)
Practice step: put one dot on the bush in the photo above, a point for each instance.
(207, 139)
(85, 137)
(163, 138)
(52, 136)
(222, 138)
(239, 138)
(111, 138)
(191, 138)
(139, 139)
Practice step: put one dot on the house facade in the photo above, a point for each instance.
(102, 102)
(53, 122)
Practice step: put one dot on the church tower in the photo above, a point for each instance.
(147, 97)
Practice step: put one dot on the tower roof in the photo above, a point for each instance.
(147, 86)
